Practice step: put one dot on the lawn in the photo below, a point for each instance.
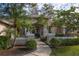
(66, 51)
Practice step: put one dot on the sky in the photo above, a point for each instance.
(65, 5)
(62, 5)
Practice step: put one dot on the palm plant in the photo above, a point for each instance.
(15, 12)
(27, 23)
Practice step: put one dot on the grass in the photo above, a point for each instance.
(66, 51)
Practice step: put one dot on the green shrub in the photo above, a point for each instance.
(69, 42)
(4, 42)
(59, 35)
(54, 42)
(63, 42)
(44, 39)
(31, 44)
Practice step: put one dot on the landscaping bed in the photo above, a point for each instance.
(7, 50)
(16, 51)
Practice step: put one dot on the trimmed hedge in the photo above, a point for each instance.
(54, 43)
(4, 42)
(64, 42)
(59, 35)
(69, 42)
(31, 44)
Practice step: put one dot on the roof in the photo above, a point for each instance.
(36, 17)
(6, 23)
(10, 22)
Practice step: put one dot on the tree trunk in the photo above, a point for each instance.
(13, 44)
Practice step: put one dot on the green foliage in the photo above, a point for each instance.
(58, 22)
(69, 42)
(4, 42)
(68, 18)
(9, 31)
(24, 24)
(54, 42)
(47, 9)
(31, 44)
(14, 11)
(44, 39)
(64, 42)
(59, 34)
(42, 21)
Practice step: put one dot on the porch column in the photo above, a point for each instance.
(45, 32)
(64, 29)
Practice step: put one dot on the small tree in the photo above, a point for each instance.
(14, 12)
(66, 18)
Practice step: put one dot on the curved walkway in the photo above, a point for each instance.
(42, 50)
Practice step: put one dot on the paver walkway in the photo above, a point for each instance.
(42, 50)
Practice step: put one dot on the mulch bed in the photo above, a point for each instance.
(15, 52)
